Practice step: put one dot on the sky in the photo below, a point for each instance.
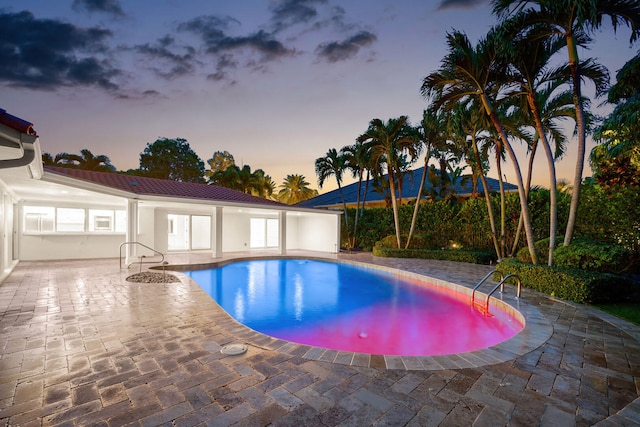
(276, 83)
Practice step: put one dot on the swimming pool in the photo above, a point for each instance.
(348, 308)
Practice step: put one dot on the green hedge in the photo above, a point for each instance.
(584, 254)
(474, 257)
(571, 284)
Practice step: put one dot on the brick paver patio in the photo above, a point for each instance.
(80, 345)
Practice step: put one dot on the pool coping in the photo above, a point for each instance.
(537, 328)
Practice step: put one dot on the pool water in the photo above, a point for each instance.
(349, 308)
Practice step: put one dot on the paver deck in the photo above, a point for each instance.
(80, 345)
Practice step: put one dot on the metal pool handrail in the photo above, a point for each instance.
(501, 285)
(484, 279)
(142, 257)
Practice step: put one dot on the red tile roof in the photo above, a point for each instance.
(16, 123)
(162, 187)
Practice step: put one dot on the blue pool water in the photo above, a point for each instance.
(349, 308)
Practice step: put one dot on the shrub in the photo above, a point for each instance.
(474, 257)
(572, 284)
(583, 253)
(418, 241)
(588, 254)
(542, 249)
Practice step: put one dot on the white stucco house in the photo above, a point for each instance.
(52, 213)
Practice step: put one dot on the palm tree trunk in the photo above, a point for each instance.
(581, 125)
(394, 204)
(366, 190)
(534, 148)
(344, 205)
(516, 167)
(553, 203)
(355, 225)
(487, 198)
(503, 207)
(418, 197)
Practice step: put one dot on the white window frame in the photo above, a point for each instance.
(116, 216)
(266, 240)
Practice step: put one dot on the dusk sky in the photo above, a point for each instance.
(275, 83)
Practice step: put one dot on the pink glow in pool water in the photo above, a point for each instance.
(342, 307)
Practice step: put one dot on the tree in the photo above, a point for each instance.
(263, 185)
(219, 162)
(388, 142)
(332, 164)
(540, 94)
(357, 159)
(171, 159)
(87, 160)
(469, 71)
(574, 20)
(430, 133)
(295, 189)
(50, 160)
(616, 161)
(256, 183)
(470, 120)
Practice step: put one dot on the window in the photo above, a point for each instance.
(189, 232)
(257, 239)
(264, 233)
(272, 233)
(200, 232)
(39, 219)
(101, 220)
(48, 219)
(121, 221)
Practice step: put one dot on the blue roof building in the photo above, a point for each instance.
(411, 184)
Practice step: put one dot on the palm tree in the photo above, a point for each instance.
(540, 95)
(87, 161)
(357, 158)
(219, 162)
(226, 178)
(388, 143)
(295, 189)
(332, 164)
(475, 72)
(430, 133)
(262, 185)
(470, 120)
(616, 161)
(573, 20)
(58, 160)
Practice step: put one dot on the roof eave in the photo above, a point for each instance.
(28, 147)
(98, 188)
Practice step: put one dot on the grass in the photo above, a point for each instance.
(626, 311)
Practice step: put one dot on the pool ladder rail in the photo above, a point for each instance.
(142, 257)
(484, 306)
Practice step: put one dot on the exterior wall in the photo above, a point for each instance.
(7, 261)
(146, 226)
(318, 233)
(69, 246)
(304, 231)
(292, 232)
(235, 232)
(158, 225)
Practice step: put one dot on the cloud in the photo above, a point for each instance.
(166, 63)
(110, 7)
(459, 4)
(212, 30)
(230, 51)
(336, 51)
(48, 54)
(286, 13)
